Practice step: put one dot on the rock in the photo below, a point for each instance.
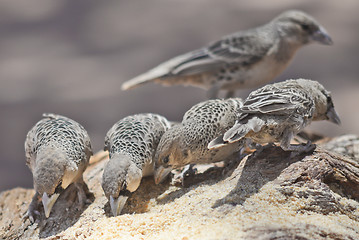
(345, 145)
(263, 196)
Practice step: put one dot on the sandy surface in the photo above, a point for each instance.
(271, 196)
(70, 57)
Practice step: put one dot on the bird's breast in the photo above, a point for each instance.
(271, 132)
(72, 175)
(255, 75)
(148, 169)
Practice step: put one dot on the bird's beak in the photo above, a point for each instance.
(161, 173)
(48, 202)
(117, 204)
(322, 37)
(333, 116)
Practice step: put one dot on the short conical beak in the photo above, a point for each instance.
(322, 37)
(333, 116)
(48, 202)
(117, 204)
(161, 173)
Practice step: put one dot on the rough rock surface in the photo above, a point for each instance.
(263, 196)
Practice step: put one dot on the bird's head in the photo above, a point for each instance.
(120, 178)
(48, 175)
(172, 152)
(300, 28)
(324, 107)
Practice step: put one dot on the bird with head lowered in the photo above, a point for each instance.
(132, 143)
(58, 150)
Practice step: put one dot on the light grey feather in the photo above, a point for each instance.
(276, 112)
(245, 59)
(62, 133)
(137, 136)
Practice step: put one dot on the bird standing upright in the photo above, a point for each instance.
(132, 143)
(186, 143)
(245, 59)
(277, 112)
(58, 150)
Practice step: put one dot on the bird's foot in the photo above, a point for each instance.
(76, 193)
(296, 150)
(33, 212)
(81, 194)
(32, 215)
(260, 148)
(187, 172)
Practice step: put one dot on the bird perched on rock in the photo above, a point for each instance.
(186, 143)
(245, 59)
(277, 112)
(132, 143)
(57, 152)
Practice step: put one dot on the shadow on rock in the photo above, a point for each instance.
(300, 231)
(212, 174)
(256, 171)
(139, 200)
(209, 176)
(64, 214)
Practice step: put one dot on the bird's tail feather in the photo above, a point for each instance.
(217, 143)
(156, 73)
(239, 131)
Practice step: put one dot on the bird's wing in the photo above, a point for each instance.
(108, 137)
(278, 101)
(30, 149)
(242, 48)
(220, 112)
(87, 145)
(136, 135)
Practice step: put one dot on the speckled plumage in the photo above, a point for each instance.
(57, 152)
(245, 59)
(276, 112)
(59, 132)
(132, 143)
(186, 143)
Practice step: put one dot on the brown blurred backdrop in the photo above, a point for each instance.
(70, 57)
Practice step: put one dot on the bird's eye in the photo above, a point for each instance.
(166, 159)
(329, 99)
(305, 27)
(330, 102)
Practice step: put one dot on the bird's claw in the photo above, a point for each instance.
(308, 147)
(260, 148)
(187, 172)
(32, 215)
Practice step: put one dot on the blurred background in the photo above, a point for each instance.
(70, 57)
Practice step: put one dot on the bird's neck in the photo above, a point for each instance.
(52, 153)
(286, 50)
